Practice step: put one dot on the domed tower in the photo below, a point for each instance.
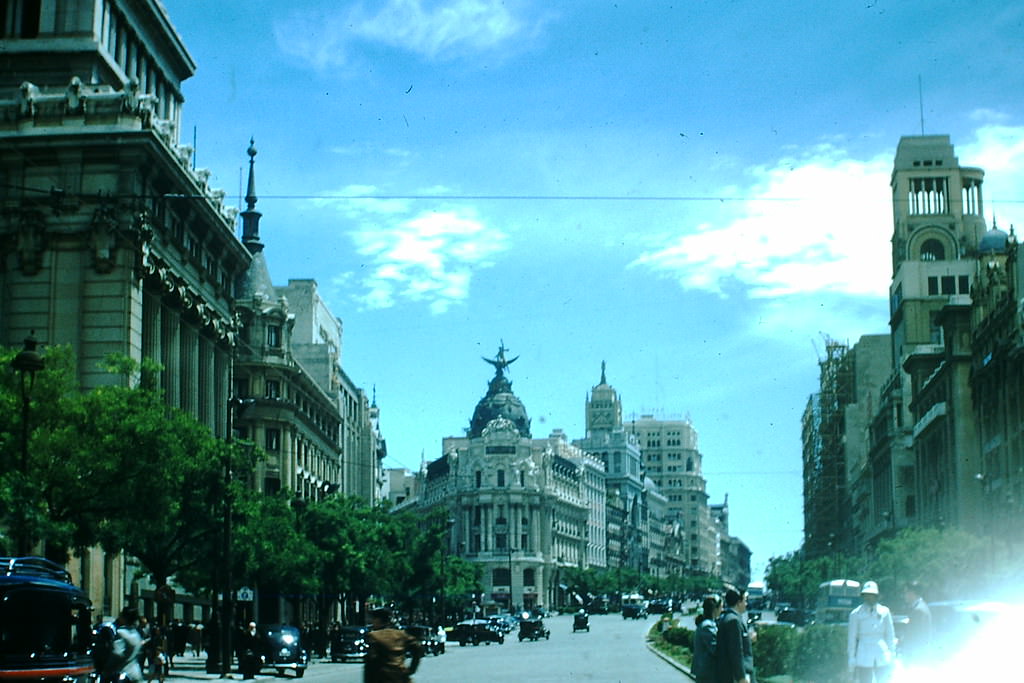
(499, 400)
(604, 408)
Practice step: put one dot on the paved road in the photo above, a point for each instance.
(613, 651)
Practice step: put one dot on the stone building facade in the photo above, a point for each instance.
(111, 240)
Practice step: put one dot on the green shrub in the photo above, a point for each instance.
(773, 649)
(683, 637)
(819, 655)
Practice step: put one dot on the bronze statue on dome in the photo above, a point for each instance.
(500, 362)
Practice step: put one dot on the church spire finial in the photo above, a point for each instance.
(603, 380)
(251, 217)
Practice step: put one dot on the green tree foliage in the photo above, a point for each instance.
(773, 649)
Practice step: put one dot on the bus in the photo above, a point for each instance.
(836, 598)
(755, 596)
(45, 623)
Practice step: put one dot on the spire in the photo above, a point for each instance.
(603, 380)
(251, 217)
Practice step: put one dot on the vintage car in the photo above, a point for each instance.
(533, 629)
(349, 643)
(284, 649)
(474, 632)
(581, 622)
(634, 611)
(45, 623)
(431, 643)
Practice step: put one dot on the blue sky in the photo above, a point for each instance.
(694, 192)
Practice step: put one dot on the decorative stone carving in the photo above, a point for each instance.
(500, 426)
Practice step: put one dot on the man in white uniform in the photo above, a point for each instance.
(872, 639)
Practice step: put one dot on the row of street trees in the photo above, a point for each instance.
(116, 467)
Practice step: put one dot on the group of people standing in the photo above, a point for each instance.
(723, 641)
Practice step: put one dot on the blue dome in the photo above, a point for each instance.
(994, 241)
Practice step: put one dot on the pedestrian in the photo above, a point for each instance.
(917, 635)
(871, 638)
(388, 649)
(705, 641)
(126, 649)
(249, 650)
(734, 651)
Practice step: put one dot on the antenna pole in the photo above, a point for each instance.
(920, 101)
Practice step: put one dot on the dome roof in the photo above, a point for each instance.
(994, 241)
(499, 402)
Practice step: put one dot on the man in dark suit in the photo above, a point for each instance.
(735, 655)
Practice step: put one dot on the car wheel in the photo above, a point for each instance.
(299, 672)
(280, 672)
(462, 643)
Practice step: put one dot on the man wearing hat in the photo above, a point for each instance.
(388, 648)
(871, 639)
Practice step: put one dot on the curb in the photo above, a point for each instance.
(676, 665)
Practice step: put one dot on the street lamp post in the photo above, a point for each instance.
(27, 363)
(444, 573)
(235, 404)
(510, 551)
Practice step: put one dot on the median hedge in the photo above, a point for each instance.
(816, 653)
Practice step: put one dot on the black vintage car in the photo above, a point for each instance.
(634, 611)
(284, 649)
(533, 629)
(45, 629)
(580, 622)
(431, 643)
(474, 632)
(349, 643)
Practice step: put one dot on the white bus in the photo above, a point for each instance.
(836, 598)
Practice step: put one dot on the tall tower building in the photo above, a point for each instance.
(938, 224)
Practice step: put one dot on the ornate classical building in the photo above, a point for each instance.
(111, 241)
(523, 508)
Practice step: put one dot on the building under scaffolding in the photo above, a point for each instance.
(826, 498)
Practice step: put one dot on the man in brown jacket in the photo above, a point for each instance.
(389, 646)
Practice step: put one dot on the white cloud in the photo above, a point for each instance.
(436, 30)
(811, 239)
(818, 222)
(419, 256)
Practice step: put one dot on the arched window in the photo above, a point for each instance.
(932, 250)
(689, 464)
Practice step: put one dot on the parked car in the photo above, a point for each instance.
(634, 611)
(474, 632)
(284, 649)
(429, 640)
(349, 644)
(797, 617)
(505, 623)
(660, 606)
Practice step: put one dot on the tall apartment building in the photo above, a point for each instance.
(673, 461)
(111, 241)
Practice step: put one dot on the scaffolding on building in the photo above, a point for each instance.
(823, 430)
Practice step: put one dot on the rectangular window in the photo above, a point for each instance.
(524, 542)
(933, 286)
(274, 336)
(501, 477)
(964, 284)
(273, 440)
(948, 285)
(242, 387)
(273, 388)
(479, 478)
(500, 541)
